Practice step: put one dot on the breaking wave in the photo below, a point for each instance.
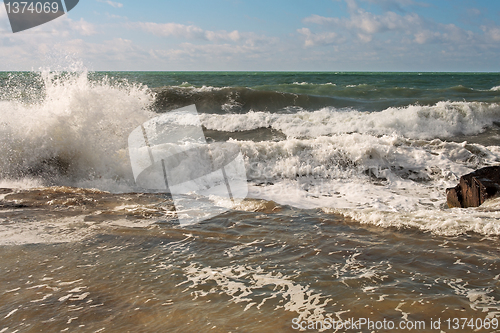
(442, 120)
(72, 130)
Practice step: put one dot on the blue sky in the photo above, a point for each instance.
(314, 35)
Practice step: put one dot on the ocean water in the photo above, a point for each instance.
(345, 224)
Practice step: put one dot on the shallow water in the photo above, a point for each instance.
(243, 271)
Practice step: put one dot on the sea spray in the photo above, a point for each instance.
(74, 132)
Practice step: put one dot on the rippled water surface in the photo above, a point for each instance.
(244, 271)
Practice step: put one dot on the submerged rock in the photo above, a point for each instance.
(475, 188)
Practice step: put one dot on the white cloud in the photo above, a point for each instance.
(364, 26)
(4, 21)
(112, 3)
(425, 36)
(116, 49)
(172, 29)
(312, 39)
(444, 33)
(222, 35)
(83, 27)
(65, 27)
(362, 40)
(251, 49)
(186, 31)
(29, 49)
(364, 22)
(492, 33)
(192, 32)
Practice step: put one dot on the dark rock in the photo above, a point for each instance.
(454, 197)
(475, 188)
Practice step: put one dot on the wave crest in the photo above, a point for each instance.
(442, 120)
(76, 131)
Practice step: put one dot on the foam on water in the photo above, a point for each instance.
(63, 230)
(448, 222)
(387, 181)
(248, 284)
(442, 120)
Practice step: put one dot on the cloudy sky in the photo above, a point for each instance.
(255, 35)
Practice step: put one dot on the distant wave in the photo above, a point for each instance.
(310, 97)
(314, 84)
(236, 100)
(442, 120)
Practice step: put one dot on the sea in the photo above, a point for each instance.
(345, 227)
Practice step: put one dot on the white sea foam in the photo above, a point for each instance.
(250, 285)
(442, 120)
(63, 230)
(355, 157)
(497, 88)
(386, 181)
(480, 298)
(449, 222)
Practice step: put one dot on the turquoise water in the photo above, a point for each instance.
(481, 81)
(363, 91)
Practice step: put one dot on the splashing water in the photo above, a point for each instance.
(69, 130)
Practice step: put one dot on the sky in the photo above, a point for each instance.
(261, 35)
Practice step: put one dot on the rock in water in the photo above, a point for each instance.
(475, 188)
